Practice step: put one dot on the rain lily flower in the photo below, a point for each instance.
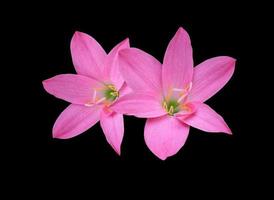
(91, 92)
(172, 95)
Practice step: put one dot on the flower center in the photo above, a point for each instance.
(175, 100)
(171, 106)
(105, 95)
(110, 93)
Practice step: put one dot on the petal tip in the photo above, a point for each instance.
(118, 152)
(228, 59)
(234, 59)
(182, 32)
(45, 84)
(126, 42)
(163, 158)
(77, 36)
(59, 136)
(229, 132)
(161, 155)
(77, 33)
(116, 149)
(55, 135)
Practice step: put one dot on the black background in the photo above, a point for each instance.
(44, 33)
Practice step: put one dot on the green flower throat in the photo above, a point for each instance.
(111, 93)
(171, 106)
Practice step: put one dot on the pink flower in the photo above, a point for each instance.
(171, 95)
(91, 92)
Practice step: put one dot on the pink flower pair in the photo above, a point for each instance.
(129, 81)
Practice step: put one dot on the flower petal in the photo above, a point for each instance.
(74, 120)
(178, 62)
(87, 55)
(138, 104)
(113, 127)
(141, 71)
(206, 119)
(210, 76)
(187, 109)
(111, 66)
(124, 90)
(165, 135)
(73, 88)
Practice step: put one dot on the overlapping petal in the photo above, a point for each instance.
(113, 127)
(206, 119)
(178, 62)
(139, 104)
(124, 90)
(210, 76)
(141, 71)
(74, 120)
(73, 88)
(165, 135)
(87, 55)
(111, 65)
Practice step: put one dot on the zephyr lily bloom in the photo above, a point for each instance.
(91, 92)
(172, 95)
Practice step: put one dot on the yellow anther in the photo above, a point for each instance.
(110, 86)
(165, 106)
(171, 110)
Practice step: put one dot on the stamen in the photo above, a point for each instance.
(94, 95)
(177, 90)
(165, 105)
(189, 86)
(185, 91)
(100, 100)
(89, 104)
(171, 110)
(182, 97)
(111, 87)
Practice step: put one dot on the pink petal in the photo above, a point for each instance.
(73, 88)
(178, 62)
(141, 71)
(124, 90)
(113, 128)
(210, 76)
(190, 108)
(87, 55)
(74, 120)
(139, 105)
(111, 66)
(165, 135)
(206, 119)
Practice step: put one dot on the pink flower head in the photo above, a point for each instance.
(172, 95)
(91, 92)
